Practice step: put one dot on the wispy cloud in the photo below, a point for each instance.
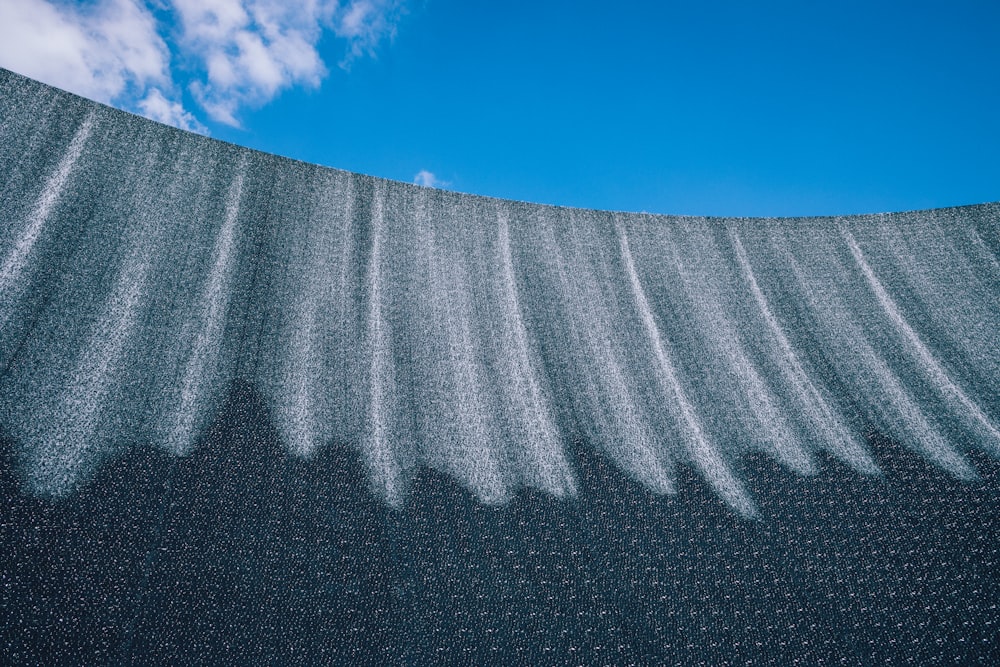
(157, 107)
(249, 50)
(230, 54)
(429, 180)
(101, 50)
(365, 24)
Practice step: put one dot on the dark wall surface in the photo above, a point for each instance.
(254, 411)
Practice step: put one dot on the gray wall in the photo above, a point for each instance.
(255, 410)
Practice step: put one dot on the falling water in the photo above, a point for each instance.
(704, 454)
(143, 270)
(962, 404)
(17, 257)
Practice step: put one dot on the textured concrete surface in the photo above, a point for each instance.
(255, 410)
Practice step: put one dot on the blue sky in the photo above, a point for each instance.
(713, 108)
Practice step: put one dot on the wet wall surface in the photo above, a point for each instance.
(254, 411)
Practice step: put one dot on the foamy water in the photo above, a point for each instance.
(143, 270)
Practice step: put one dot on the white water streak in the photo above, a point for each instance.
(202, 363)
(382, 461)
(951, 392)
(464, 440)
(761, 416)
(298, 409)
(16, 260)
(346, 327)
(72, 435)
(828, 423)
(887, 396)
(911, 417)
(708, 461)
(524, 395)
(304, 384)
(986, 258)
(622, 431)
(76, 430)
(967, 318)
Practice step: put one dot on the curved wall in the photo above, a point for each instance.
(149, 276)
(144, 269)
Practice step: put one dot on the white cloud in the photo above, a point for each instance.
(251, 50)
(365, 24)
(429, 180)
(99, 51)
(236, 53)
(109, 51)
(159, 108)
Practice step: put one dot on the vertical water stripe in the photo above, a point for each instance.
(298, 414)
(760, 416)
(202, 363)
(825, 419)
(528, 412)
(69, 435)
(965, 320)
(620, 428)
(711, 464)
(948, 389)
(346, 395)
(458, 436)
(383, 463)
(889, 402)
(80, 375)
(11, 282)
(303, 379)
